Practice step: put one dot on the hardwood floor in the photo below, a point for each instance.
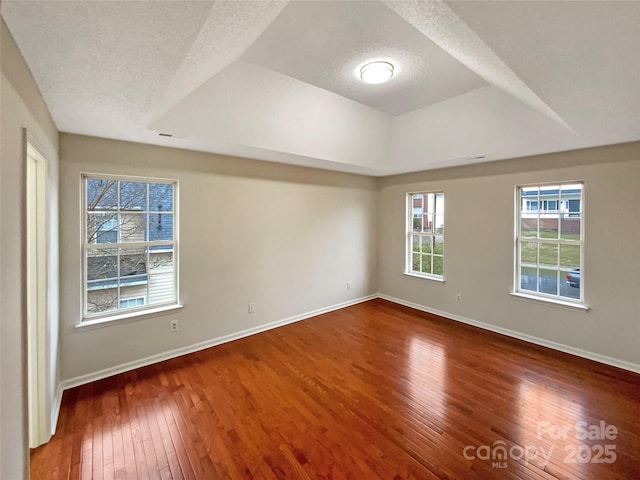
(371, 391)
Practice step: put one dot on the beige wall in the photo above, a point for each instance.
(479, 246)
(21, 107)
(287, 238)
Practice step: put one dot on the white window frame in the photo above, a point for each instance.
(118, 313)
(518, 239)
(409, 233)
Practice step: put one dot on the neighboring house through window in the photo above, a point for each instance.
(549, 241)
(130, 247)
(132, 302)
(425, 235)
(106, 227)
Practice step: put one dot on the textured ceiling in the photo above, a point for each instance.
(277, 80)
(326, 43)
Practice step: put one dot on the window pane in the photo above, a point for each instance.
(133, 262)
(430, 204)
(438, 245)
(549, 226)
(570, 256)
(437, 265)
(440, 203)
(548, 254)
(133, 196)
(427, 223)
(427, 246)
(528, 252)
(101, 265)
(570, 271)
(548, 194)
(417, 206)
(102, 300)
(160, 197)
(570, 228)
(415, 243)
(529, 199)
(161, 258)
(101, 194)
(529, 226)
(548, 281)
(415, 262)
(102, 282)
(162, 288)
(570, 200)
(426, 263)
(102, 227)
(529, 278)
(548, 214)
(133, 273)
(570, 283)
(160, 226)
(439, 224)
(133, 227)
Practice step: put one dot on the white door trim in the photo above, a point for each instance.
(37, 236)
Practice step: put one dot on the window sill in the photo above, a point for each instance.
(126, 317)
(551, 301)
(424, 277)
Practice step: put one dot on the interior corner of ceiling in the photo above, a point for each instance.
(438, 22)
(225, 34)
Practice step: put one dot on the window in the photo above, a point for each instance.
(425, 234)
(130, 248)
(106, 226)
(549, 241)
(547, 206)
(132, 302)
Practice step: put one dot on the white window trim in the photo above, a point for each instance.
(545, 298)
(409, 217)
(127, 316)
(551, 301)
(116, 315)
(425, 276)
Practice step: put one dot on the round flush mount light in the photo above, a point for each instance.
(376, 72)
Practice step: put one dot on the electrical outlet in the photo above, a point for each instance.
(458, 297)
(173, 326)
(252, 307)
(348, 285)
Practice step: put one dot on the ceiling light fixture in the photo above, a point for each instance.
(376, 72)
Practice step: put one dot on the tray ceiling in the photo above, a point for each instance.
(277, 80)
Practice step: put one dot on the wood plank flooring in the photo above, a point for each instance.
(371, 391)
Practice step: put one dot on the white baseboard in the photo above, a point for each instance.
(143, 362)
(625, 365)
(107, 372)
